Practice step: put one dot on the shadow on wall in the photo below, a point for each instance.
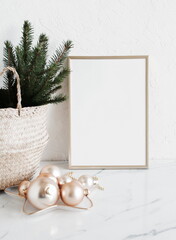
(58, 130)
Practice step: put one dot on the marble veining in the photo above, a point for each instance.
(136, 204)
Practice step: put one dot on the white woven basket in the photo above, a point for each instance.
(23, 136)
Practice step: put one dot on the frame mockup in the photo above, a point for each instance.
(108, 98)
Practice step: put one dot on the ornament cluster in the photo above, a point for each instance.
(51, 186)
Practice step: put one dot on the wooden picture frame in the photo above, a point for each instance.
(125, 136)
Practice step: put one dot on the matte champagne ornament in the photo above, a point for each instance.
(54, 170)
(22, 189)
(43, 192)
(72, 193)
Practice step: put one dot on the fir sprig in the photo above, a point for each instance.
(40, 80)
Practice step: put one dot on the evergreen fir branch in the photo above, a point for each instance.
(57, 99)
(26, 41)
(9, 60)
(39, 56)
(56, 63)
(48, 83)
(61, 54)
(40, 50)
(23, 52)
(9, 55)
(20, 63)
(43, 43)
(39, 80)
(9, 81)
(38, 62)
(61, 76)
(54, 89)
(51, 91)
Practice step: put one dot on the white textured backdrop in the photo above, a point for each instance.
(101, 27)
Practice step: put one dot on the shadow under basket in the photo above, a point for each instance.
(23, 137)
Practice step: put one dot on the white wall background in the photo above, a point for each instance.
(101, 27)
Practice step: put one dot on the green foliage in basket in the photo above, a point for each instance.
(40, 78)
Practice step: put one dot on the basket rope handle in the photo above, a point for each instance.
(19, 106)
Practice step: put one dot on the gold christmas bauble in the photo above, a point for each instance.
(72, 193)
(43, 192)
(53, 170)
(64, 179)
(48, 175)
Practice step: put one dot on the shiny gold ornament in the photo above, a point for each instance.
(51, 169)
(48, 175)
(22, 189)
(72, 193)
(64, 179)
(43, 192)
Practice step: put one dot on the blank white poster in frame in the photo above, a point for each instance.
(108, 98)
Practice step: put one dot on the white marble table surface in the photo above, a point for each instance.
(136, 204)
